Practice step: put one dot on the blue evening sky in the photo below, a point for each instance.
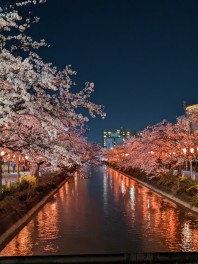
(142, 55)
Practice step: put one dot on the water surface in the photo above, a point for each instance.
(106, 212)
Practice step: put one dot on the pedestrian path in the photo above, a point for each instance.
(9, 178)
(189, 173)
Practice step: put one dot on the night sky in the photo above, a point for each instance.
(141, 55)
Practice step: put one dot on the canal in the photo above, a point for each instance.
(106, 212)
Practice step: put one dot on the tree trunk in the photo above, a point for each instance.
(34, 170)
(8, 166)
(1, 171)
(1, 176)
(18, 168)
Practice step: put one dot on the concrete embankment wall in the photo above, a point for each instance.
(13, 222)
(162, 193)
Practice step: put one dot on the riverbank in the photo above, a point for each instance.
(180, 190)
(17, 207)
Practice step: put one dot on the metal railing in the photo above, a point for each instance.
(170, 257)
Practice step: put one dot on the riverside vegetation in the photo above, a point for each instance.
(20, 197)
(181, 187)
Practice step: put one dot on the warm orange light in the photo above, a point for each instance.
(2, 153)
(26, 157)
(184, 150)
(192, 150)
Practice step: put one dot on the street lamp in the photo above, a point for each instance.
(191, 150)
(185, 150)
(2, 154)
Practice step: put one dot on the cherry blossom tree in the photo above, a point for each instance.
(39, 113)
(160, 150)
(13, 28)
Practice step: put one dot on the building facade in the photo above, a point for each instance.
(114, 137)
(189, 110)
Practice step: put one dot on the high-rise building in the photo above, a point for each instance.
(137, 133)
(189, 110)
(114, 137)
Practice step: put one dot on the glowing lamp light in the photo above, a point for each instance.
(184, 150)
(26, 157)
(192, 150)
(2, 153)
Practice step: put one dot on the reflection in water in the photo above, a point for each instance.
(106, 213)
(47, 226)
(132, 197)
(22, 244)
(186, 237)
(43, 228)
(160, 218)
(105, 194)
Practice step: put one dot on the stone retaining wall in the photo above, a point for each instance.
(162, 193)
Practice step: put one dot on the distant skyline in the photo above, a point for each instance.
(142, 55)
